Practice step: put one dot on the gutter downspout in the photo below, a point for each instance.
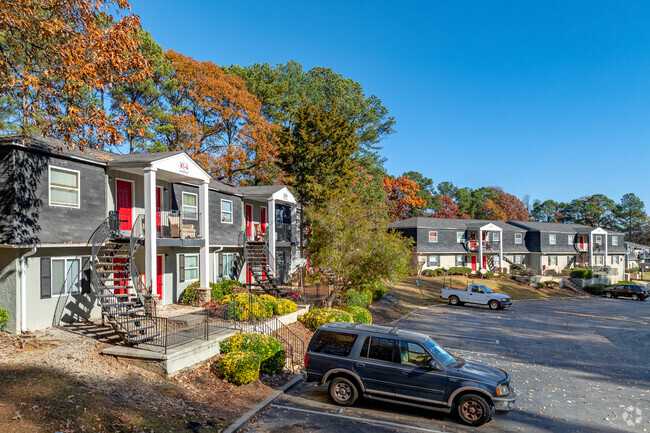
(23, 288)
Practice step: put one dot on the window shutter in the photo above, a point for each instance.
(46, 278)
(181, 267)
(85, 275)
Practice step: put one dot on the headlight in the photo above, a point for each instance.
(503, 390)
(504, 299)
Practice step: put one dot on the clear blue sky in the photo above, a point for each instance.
(549, 98)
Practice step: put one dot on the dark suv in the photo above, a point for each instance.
(634, 291)
(406, 367)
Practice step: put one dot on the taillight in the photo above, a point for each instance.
(306, 359)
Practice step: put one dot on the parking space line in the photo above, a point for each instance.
(354, 418)
(602, 317)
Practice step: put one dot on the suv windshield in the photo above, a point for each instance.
(441, 354)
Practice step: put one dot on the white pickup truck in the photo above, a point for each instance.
(476, 294)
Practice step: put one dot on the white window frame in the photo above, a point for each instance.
(460, 236)
(496, 261)
(232, 260)
(460, 258)
(183, 206)
(615, 240)
(496, 237)
(518, 259)
(519, 238)
(429, 261)
(598, 260)
(615, 260)
(65, 279)
(231, 213)
(77, 189)
(598, 240)
(570, 239)
(198, 265)
(552, 259)
(552, 239)
(435, 236)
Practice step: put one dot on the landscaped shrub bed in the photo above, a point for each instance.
(217, 291)
(246, 303)
(321, 316)
(286, 306)
(357, 298)
(4, 318)
(269, 350)
(377, 289)
(552, 283)
(360, 315)
(240, 368)
(459, 270)
(585, 274)
(595, 289)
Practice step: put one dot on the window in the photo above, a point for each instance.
(189, 267)
(413, 354)
(614, 240)
(551, 239)
(226, 211)
(552, 260)
(599, 260)
(599, 240)
(227, 266)
(496, 236)
(64, 187)
(190, 207)
(519, 259)
(496, 261)
(460, 260)
(433, 236)
(377, 348)
(477, 289)
(615, 260)
(570, 239)
(519, 237)
(65, 276)
(433, 261)
(460, 236)
(333, 343)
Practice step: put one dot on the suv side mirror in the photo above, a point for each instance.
(433, 365)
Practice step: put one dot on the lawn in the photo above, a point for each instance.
(407, 292)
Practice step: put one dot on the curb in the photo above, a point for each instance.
(261, 405)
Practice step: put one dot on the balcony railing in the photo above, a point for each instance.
(175, 224)
(604, 270)
(282, 232)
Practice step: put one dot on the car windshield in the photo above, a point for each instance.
(441, 354)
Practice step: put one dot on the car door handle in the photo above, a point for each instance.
(358, 364)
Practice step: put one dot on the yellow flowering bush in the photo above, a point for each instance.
(240, 368)
(360, 315)
(270, 302)
(252, 304)
(286, 306)
(269, 350)
(320, 316)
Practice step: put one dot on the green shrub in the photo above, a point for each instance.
(459, 270)
(429, 273)
(189, 295)
(633, 269)
(320, 316)
(626, 282)
(270, 302)
(359, 315)
(489, 274)
(595, 289)
(585, 274)
(269, 350)
(566, 271)
(4, 318)
(357, 298)
(377, 289)
(286, 306)
(246, 303)
(223, 288)
(552, 283)
(541, 285)
(240, 368)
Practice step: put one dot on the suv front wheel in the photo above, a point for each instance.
(608, 294)
(343, 391)
(473, 410)
(494, 305)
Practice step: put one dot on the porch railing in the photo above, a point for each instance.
(176, 224)
(283, 232)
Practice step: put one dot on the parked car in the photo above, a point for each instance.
(476, 294)
(634, 291)
(404, 367)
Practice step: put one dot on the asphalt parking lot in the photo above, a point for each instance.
(577, 365)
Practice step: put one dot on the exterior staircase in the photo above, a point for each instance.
(125, 304)
(256, 254)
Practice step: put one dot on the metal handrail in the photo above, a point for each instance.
(137, 239)
(106, 229)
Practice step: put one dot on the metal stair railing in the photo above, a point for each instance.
(137, 239)
(106, 230)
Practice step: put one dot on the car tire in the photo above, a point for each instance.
(608, 294)
(473, 410)
(494, 305)
(343, 391)
(635, 297)
(453, 300)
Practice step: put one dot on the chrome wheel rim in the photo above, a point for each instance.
(635, 297)
(454, 301)
(342, 391)
(608, 294)
(493, 305)
(472, 410)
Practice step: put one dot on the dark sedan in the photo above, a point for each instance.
(634, 291)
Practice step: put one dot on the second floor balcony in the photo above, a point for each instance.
(175, 224)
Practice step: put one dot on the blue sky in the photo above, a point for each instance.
(545, 98)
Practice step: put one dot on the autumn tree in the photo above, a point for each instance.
(448, 209)
(512, 208)
(427, 192)
(402, 197)
(57, 60)
(212, 116)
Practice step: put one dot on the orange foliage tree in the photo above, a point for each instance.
(511, 207)
(401, 197)
(57, 57)
(215, 119)
(448, 209)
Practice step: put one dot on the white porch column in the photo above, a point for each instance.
(204, 221)
(605, 264)
(150, 239)
(480, 248)
(591, 249)
(501, 250)
(270, 232)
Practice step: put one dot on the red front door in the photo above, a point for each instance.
(484, 263)
(473, 263)
(159, 276)
(582, 243)
(263, 221)
(248, 214)
(124, 204)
